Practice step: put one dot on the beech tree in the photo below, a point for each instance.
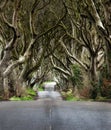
(20, 28)
(46, 38)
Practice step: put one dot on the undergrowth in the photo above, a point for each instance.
(30, 94)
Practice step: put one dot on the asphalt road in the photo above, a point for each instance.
(49, 94)
(47, 114)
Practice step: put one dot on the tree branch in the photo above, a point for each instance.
(59, 69)
(68, 34)
(61, 62)
(96, 17)
(69, 54)
(13, 66)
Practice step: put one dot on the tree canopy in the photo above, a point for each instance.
(63, 40)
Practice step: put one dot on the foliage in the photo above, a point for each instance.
(40, 89)
(49, 36)
(106, 88)
(14, 98)
(77, 75)
(25, 98)
(68, 96)
(105, 83)
(72, 98)
(104, 72)
(1, 98)
(30, 94)
(85, 92)
(103, 99)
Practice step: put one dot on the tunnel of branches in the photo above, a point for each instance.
(67, 41)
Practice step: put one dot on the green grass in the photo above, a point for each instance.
(72, 98)
(25, 98)
(40, 89)
(100, 99)
(30, 94)
(68, 96)
(14, 98)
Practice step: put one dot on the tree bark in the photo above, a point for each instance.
(1, 84)
(6, 88)
(93, 69)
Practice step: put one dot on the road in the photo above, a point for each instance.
(47, 114)
(49, 94)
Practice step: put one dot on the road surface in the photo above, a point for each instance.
(49, 92)
(47, 114)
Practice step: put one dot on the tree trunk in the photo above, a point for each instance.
(1, 85)
(93, 69)
(108, 60)
(4, 81)
(93, 77)
(6, 88)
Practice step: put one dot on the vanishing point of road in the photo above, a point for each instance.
(49, 114)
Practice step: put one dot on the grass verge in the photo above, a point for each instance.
(30, 95)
